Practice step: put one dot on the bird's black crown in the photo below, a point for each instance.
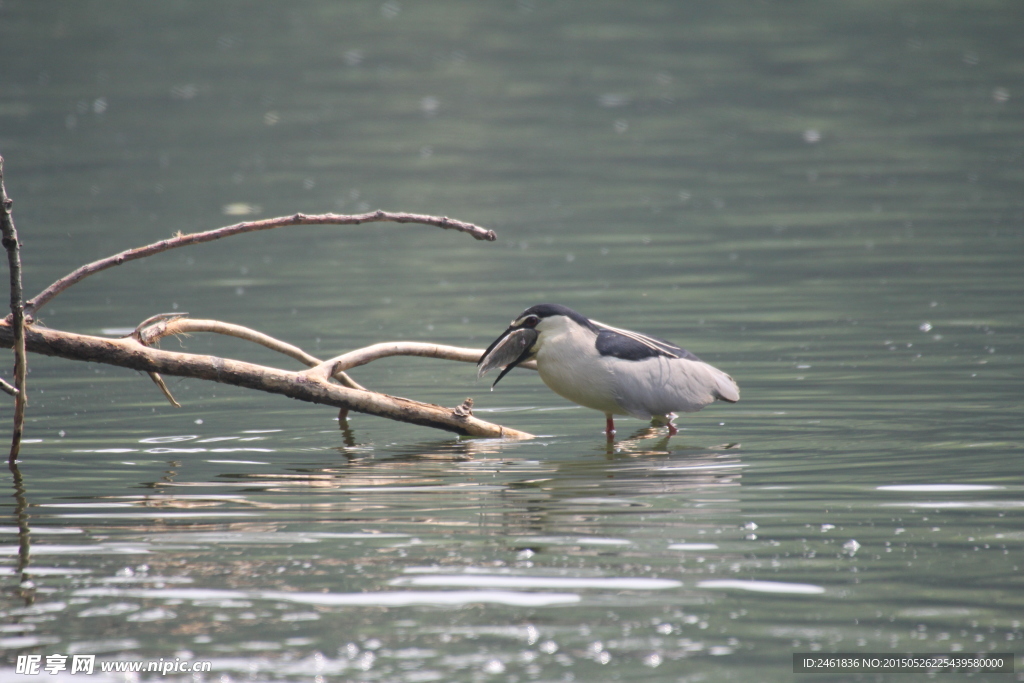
(548, 310)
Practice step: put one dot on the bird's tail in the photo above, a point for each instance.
(726, 388)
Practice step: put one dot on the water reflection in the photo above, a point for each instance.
(652, 545)
(26, 586)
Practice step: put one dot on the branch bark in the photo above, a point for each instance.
(180, 240)
(17, 318)
(150, 334)
(305, 386)
(362, 356)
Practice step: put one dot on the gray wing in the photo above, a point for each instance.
(629, 345)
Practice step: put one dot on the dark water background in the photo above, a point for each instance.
(823, 199)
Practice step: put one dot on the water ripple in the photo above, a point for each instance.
(762, 586)
(368, 599)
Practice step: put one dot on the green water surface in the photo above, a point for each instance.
(823, 199)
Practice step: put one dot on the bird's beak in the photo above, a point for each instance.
(509, 350)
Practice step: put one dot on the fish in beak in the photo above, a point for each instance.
(510, 349)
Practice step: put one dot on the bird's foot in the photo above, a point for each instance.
(666, 421)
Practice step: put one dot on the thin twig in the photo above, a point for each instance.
(10, 242)
(7, 387)
(159, 381)
(41, 299)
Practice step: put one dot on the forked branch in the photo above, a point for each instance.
(305, 386)
(326, 382)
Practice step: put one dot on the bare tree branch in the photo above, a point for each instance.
(167, 324)
(312, 385)
(41, 299)
(362, 356)
(17, 318)
(308, 386)
(163, 328)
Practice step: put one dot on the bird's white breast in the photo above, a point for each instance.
(568, 362)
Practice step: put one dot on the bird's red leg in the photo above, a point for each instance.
(609, 427)
(672, 431)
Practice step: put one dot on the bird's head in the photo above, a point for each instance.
(523, 338)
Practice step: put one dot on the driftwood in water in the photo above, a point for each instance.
(325, 382)
(311, 385)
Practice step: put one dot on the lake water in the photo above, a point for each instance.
(824, 200)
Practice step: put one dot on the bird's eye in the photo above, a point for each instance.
(530, 321)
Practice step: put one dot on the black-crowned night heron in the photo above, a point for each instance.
(598, 366)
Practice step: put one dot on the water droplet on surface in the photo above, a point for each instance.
(353, 57)
(366, 660)
(430, 104)
(494, 666)
(549, 647)
(186, 91)
(652, 660)
(611, 100)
